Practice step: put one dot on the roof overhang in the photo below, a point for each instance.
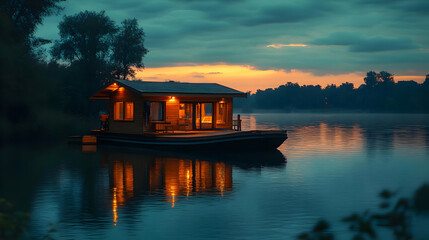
(244, 95)
(107, 91)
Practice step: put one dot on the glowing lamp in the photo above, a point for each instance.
(172, 99)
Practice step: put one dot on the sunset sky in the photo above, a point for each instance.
(252, 44)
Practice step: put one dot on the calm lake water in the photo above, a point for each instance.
(331, 166)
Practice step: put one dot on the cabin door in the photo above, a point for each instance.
(203, 116)
(197, 116)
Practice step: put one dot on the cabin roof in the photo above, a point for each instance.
(171, 87)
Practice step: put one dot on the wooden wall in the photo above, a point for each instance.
(172, 109)
(229, 114)
(137, 125)
(120, 126)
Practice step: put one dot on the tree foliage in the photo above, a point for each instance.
(379, 94)
(84, 37)
(394, 215)
(27, 14)
(97, 51)
(128, 49)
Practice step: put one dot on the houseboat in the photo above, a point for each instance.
(177, 116)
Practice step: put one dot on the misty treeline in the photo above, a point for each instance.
(379, 93)
(45, 84)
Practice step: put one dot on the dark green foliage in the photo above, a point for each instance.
(25, 15)
(96, 51)
(421, 198)
(397, 219)
(372, 79)
(362, 224)
(31, 102)
(85, 37)
(379, 94)
(85, 40)
(128, 49)
(12, 223)
(386, 194)
(320, 232)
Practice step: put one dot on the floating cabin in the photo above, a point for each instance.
(138, 107)
(178, 116)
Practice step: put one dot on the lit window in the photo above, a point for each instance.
(206, 110)
(129, 111)
(123, 111)
(221, 113)
(119, 111)
(157, 111)
(185, 111)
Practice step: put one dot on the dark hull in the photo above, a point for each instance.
(236, 141)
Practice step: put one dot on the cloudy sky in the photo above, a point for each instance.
(251, 44)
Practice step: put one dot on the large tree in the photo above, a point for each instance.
(84, 37)
(85, 43)
(386, 77)
(372, 79)
(426, 82)
(128, 49)
(27, 14)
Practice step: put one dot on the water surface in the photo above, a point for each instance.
(331, 165)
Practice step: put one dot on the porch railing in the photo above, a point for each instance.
(236, 123)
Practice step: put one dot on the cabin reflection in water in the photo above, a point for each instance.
(167, 176)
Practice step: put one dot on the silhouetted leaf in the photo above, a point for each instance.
(386, 194)
(421, 197)
(321, 226)
(384, 205)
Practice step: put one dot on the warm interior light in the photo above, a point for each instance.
(114, 84)
(172, 99)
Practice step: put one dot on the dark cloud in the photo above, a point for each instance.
(358, 43)
(198, 76)
(380, 44)
(283, 14)
(356, 35)
(338, 38)
(413, 6)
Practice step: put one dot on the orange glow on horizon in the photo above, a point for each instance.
(248, 78)
(241, 77)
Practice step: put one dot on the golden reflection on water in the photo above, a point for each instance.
(173, 177)
(324, 138)
(115, 207)
(315, 138)
(91, 148)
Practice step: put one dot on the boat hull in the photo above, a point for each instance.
(232, 141)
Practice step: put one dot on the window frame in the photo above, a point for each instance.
(223, 120)
(122, 111)
(163, 104)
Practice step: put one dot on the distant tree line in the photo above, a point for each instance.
(43, 97)
(379, 93)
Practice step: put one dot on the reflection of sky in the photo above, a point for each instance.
(336, 165)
